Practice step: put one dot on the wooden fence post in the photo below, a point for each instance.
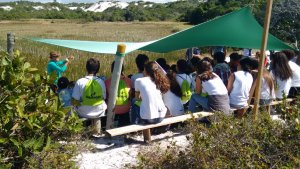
(262, 56)
(10, 43)
(119, 58)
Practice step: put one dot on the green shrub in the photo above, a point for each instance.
(30, 118)
(235, 143)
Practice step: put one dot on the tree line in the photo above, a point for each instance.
(284, 22)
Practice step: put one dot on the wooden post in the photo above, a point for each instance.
(262, 56)
(147, 135)
(119, 58)
(10, 43)
(96, 124)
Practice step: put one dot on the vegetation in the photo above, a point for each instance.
(235, 143)
(284, 23)
(31, 121)
(38, 53)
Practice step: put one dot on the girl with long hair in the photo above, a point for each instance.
(282, 74)
(149, 90)
(239, 84)
(210, 93)
(267, 93)
(172, 98)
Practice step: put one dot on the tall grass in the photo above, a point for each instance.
(37, 53)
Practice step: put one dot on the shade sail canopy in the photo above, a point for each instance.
(236, 29)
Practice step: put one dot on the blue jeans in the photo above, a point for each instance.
(151, 121)
(197, 100)
(135, 117)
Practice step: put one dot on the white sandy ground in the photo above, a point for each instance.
(116, 152)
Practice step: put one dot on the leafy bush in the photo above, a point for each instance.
(235, 143)
(30, 118)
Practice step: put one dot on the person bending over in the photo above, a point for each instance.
(211, 92)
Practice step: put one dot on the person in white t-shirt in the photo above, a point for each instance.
(282, 74)
(93, 105)
(210, 93)
(140, 62)
(172, 98)
(267, 91)
(149, 90)
(239, 84)
(295, 88)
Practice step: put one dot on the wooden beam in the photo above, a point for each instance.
(166, 121)
(119, 58)
(262, 56)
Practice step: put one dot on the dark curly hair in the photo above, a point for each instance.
(157, 76)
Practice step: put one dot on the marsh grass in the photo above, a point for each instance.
(37, 53)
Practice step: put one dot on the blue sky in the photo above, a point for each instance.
(86, 1)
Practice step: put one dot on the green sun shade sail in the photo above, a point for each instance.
(93, 46)
(237, 29)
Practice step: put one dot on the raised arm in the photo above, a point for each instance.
(57, 68)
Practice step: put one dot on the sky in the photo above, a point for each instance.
(88, 1)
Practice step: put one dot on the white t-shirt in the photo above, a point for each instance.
(152, 105)
(241, 88)
(89, 111)
(265, 92)
(173, 103)
(180, 78)
(136, 76)
(214, 86)
(281, 86)
(296, 74)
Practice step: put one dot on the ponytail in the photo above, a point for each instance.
(268, 78)
(207, 75)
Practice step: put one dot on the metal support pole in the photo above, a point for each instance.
(119, 58)
(10, 43)
(262, 56)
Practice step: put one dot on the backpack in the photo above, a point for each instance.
(92, 93)
(123, 94)
(185, 89)
(65, 97)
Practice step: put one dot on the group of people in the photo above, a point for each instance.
(159, 90)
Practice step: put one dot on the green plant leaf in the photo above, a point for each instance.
(4, 62)
(29, 143)
(20, 151)
(26, 65)
(48, 143)
(15, 142)
(38, 143)
(32, 70)
(3, 140)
